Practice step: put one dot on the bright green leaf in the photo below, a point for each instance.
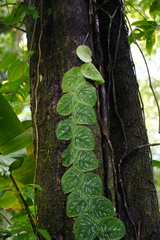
(36, 186)
(66, 104)
(29, 191)
(155, 9)
(71, 179)
(86, 161)
(16, 70)
(111, 228)
(69, 155)
(90, 71)
(84, 53)
(44, 233)
(156, 163)
(150, 41)
(64, 129)
(84, 114)
(100, 207)
(86, 93)
(8, 60)
(92, 185)
(76, 204)
(85, 228)
(72, 79)
(83, 138)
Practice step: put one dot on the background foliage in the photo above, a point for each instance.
(16, 148)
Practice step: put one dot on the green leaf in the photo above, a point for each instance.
(15, 16)
(76, 204)
(36, 186)
(85, 228)
(10, 125)
(44, 233)
(150, 41)
(86, 93)
(29, 192)
(83, 138)
(20, 142)
(72, 79)
(92, 185)
(155, 9)
(26, 236)
(68, 156)
(156, 163)
(71, 179)
(100, 207)
(16, 70)
(8, 60)
(90, 71)
(65, 128)
(84, 114)
(84, 53)
(111, 228)
(86, 161)
(66, 104)
(145, 25)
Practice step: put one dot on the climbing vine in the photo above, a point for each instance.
(94, 212)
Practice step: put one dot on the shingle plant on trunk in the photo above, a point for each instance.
(94, 213)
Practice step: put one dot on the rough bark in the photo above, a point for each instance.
(136, 199)
(61, 27)
(54, 37)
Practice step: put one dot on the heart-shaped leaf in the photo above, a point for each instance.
(71, 179)
(111, 228)
(100, 207)
(65, 104)
(86, 161)
(86, 93)
(69, 155)
(83, 138)
(84, 53)
(64, 129)
(76, 204)
(90, 71)
(72, 79)
(84, 114)
(85, 228)
(92, 185)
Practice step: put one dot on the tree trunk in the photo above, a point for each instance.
(136, 199)
(54, 37)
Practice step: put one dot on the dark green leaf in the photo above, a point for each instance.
(69, 155)
(44, 233)
(71, 179)
(64, 129)
(92, 185)
(84, 114)
(76, 204)
(85, 228)
(83, 138)
(65, 104)
(90, 71)
(86, 161)
(111, 228)
(84, 53)
(150, 41)
(10, 125)
(100, 207)
(86, 93)
(72, 79)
